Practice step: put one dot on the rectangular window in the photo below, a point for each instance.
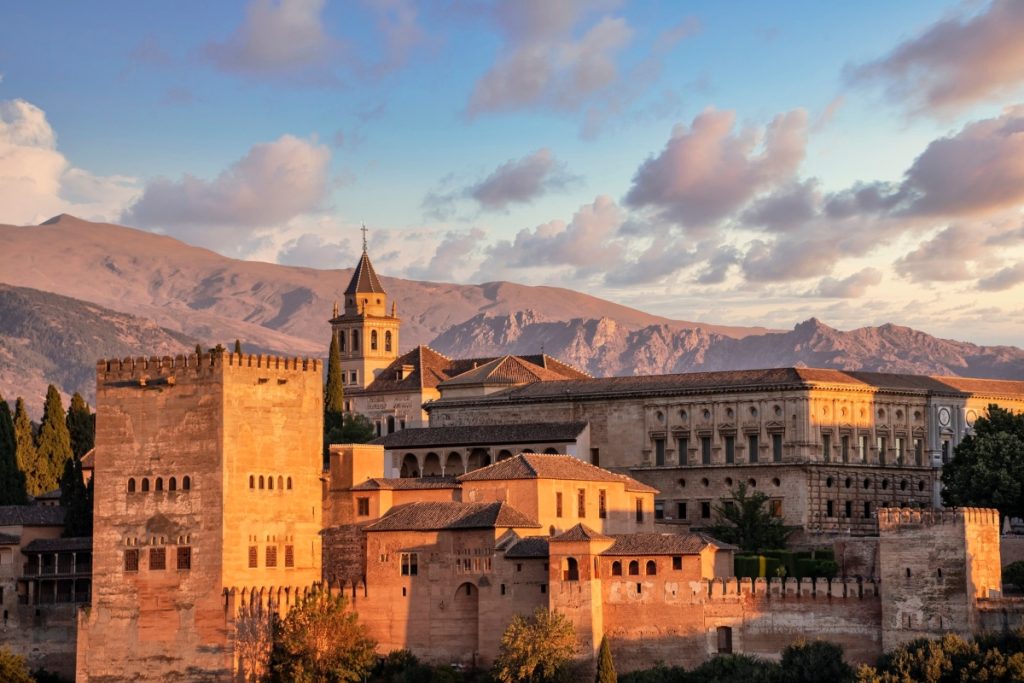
(363, 507)
(826, 448)
(752, 447)
(253, 556)
(730, 449)
(729, 506)
(724, 640)
(830, 509)
(705, 450)
(639, 509)
(677, 562)
(184, 557)
(157, 559)
(777, 447)
(849, 509)
(681, 510)
(558, 504)
(271, 556)
(581, 503)
(683, 444)
(862, 448)
(899, 449)
(659, 509)
(881, 450)
(705, 510)
(945, 451)
(289, 556)
(602, 504)
(595, 456)
(919, 452)
(131, 560)
(410, 564)
(846, 448)
(659, 452)
(867, 509)
(776, 508)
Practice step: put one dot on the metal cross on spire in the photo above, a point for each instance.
(364, 237)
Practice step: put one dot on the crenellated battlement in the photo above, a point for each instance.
(787, 588)
(895, 519)
(166, 367)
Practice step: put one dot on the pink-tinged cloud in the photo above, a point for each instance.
(851, 287)
(1003, 279)
(946, 256)
(956, 62)
(271, 184)
(521, 181)
(709, 170)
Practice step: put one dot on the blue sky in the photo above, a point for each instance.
(747, 163)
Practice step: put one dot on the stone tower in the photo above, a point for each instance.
(207, 478)
(367, 333)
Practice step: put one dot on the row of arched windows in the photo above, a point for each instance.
(650, 568)
(345, 337)
(143, 484)
(261, 482)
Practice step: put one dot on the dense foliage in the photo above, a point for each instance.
(12, 480)
(987, 469)
(53, 447)
(1014, 573)
(951, 659)
(13, 668)
(744, 521)
(81, 425)
(25, 444)
(605, 664)
(535, 649)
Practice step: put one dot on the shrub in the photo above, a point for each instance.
(1014, 573)
(748, 565)
(13, 668)
(815, 661)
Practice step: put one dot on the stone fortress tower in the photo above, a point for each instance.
(207, 480)
(367, 334)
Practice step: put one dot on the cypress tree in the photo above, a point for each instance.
(605, 664)
(54, 444)
(27, 455)
(238, 347)
(334, 395)
(12, 479)
(199, 350)
(76, 497)
(81, 426)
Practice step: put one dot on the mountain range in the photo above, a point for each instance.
(122, 291)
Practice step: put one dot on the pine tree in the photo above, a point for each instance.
(27, 456)
(53, 446)
(81, 426)
(76, 498)
(238, 347)
(334, 396)
(12, 479)
(605, 664)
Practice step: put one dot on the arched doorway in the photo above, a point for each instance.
(478, 458)
(410, 467)
(453, 465)
(466, 612)
(432, 465)
(504, 455)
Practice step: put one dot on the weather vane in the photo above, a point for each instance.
(364, 237)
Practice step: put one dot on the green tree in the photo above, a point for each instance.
(745, 522)
(987, 469)
(25, 443)
(818, 660)
(12, 479)
(53, 447)
(334, 397)
(81, 424)
(535, 649)
(13, 668)
(1014, 573)
(76, 497)
(357, 429)
(322, 640)
(605, 663)
(734, 668)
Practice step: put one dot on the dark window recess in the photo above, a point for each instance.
(683, 444)
(776, 450)
(724, 640)
(846, 448)
(558, 504)
(705, 510)
(184, 557)
(639, 509)
(363, 506)
(776, 508)
(410, 564)
(271, 556)
(659, 509)
(581, 503)
(826, 447)
(677, 562)
(157, 559)
(705, 450)
(602, 504)
(659, 452)
(289, 556)
(830, 508)
(752, 446)
(681, 510)
(253, 557)
(849, 509)
(730, 449)
(131, 560)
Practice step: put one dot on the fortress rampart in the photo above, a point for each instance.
(167, 367)
(900, 519)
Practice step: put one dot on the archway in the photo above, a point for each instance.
(410, 467)
(504, 455)
(550, 451)
(466, 612)
(453, 465)
(432, 465)
(478, 458)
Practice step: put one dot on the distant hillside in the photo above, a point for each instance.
(46, 338)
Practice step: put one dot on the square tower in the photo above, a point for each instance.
(207, 477)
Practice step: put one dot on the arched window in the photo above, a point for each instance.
(391, 424)
(616, 568)
(172, 484)
(289, 483)
(262, 482)
(571, 571)
(634, 568)
(373, 340)
(186, 483)
(387, 340)
(252, 481)
(551, 451)
(529, 450)
(280, 482)
(270, 482)
(131, 485)
(355, 340)
(652, 568)
(341, 341)
(159, 483)
(145, 484)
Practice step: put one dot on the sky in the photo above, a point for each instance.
(733, 163)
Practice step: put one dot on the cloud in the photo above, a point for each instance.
(273, 183)
(707, 171)
(791, 206)
(945, 257)
(397, 22)
(1008, 277)
(851, 287)
(312, 251)
(37, 181)
(455, 249)
(956, 62)
(278, 38)
(520, 181)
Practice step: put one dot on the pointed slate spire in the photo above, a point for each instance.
(364, 279)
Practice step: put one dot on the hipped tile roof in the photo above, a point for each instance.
(446, 516)
(581, 532)
(407, 484)
(529, 547)
(505, 370)
(55, 545)
(423, 437)
(31, 515)
(663, 544)
(540, 466)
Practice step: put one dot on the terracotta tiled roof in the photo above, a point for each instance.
(663, 544)
(55, 545)
(504, 370)
(423, 437)
(407, 484)
(581, 532)
(31, 515)
(364, 279)
(9, 539)
(540, 466)
(430, 516)
(529, 547)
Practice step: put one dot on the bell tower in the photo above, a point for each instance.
(367, 333)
